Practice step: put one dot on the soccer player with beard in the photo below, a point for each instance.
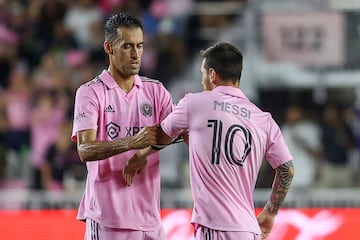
(116, 113)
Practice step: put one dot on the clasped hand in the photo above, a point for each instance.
(143, 139)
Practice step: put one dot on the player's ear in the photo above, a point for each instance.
(212, 75)
(108, 47)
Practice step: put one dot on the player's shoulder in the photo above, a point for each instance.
(257, 110)
(150, 81)
(195, 97)
(94, 83)
(202, 94)
(153, 85)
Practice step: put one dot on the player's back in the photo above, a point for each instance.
(228, 140)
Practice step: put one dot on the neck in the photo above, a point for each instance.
(227, 84)
(126, 83)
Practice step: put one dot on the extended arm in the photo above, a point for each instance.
(282, 181)
(90, 149)
(137, 163)
(163, 140)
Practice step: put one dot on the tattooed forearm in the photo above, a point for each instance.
(282, 181)
(93, 151)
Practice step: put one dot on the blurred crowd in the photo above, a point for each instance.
(325, 144)
(49, 48)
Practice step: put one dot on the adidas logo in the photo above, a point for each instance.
(109, 108)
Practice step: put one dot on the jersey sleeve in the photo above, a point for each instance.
(177, 120)
(86, 110)
(167, 105)
(277, 151)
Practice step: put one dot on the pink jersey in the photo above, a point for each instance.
(102, 105)
(228, 139)
(44, 132)
(18, 109)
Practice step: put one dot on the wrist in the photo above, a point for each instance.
(157, 147)
(139, 154)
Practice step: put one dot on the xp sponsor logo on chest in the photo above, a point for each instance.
(113, 130)
(146, 109)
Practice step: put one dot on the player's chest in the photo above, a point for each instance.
(132, 108)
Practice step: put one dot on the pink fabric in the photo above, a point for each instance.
(44, 133)
(18, 110)
(203, 233)
(222, 189)
(108, 5)
(102, 105)
(7, 35)
(75, 58)
(159, 8)
(95, 230)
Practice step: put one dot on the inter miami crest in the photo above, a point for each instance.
(146, 109)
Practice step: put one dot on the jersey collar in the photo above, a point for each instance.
(236, 92)
(109, 81)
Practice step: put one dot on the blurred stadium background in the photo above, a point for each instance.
(301, 63)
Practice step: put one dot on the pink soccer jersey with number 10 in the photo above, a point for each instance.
(102, 105)
(228, 139)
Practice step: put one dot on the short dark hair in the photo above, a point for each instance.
(226, 59)
(120, 20)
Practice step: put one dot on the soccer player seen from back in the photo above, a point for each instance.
(229, 137)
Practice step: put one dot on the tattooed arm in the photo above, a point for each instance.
(90, 149)
(282, 181)
(283, 176)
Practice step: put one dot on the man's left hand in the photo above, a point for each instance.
(133, 167)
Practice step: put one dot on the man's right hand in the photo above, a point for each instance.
(146, 137)
(266, 222)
